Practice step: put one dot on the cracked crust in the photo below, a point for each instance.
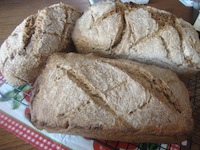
(95, 95)
(25, 51)
(111, 99)
(141, 33)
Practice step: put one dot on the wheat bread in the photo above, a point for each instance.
(111, 99)
(24, 52)
(141, 33)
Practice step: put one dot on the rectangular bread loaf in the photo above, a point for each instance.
(111, 99)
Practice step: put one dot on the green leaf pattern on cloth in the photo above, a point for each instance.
(7, 96)
(23, 88)
(15, 94)
(16, 105)
(148, 146)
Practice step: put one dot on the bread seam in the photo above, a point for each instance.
(121, 33)
(168, 102)
(166, 47)
(180, 33)
(31, 31)
(100, 19)
(95, 95)
(65, 25)
(118, 42)
(4, 63)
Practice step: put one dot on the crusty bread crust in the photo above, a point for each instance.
(141, 33)
(111, 99)
(25, 51)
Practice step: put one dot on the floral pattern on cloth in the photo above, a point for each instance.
(17, 94)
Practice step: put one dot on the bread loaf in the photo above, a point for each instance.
(111, 99)
(25, 51)
(140, 33)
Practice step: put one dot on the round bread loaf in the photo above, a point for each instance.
(25, 51)
(140, 33)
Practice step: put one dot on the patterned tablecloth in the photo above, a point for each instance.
(14, 117)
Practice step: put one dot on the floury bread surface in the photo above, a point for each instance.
(140, 33)
(24, 52)
(111, 99)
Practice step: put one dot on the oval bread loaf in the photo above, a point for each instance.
(111, 99)
(140, 33)
(24, 52)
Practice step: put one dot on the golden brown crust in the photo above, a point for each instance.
(140, 33)
(111, 99)
(25, 51)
